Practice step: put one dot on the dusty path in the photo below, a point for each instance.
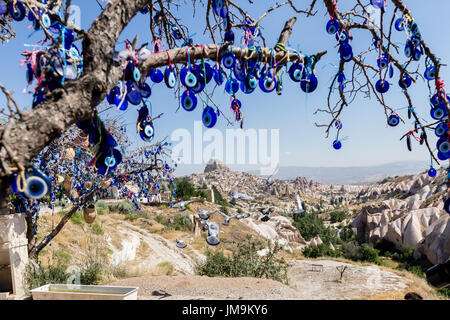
(205, 288)
(160, 250)
(359, 282)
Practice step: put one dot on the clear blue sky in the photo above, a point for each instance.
(370, 141)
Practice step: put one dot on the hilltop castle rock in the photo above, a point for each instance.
(215, 165)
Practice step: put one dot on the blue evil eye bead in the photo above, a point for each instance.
(382, 62)
(245, 87)
(209, 117)
(417, 54)
(437, 113)
(295, 72)
(342, 37)
(309, 83)
(432, 172)
(17, 10)
(409, 49)
(338, 124)
(112, 94)
(346, 52)
(377, 3)
(252, 82)
(441, 130)
(37, 184)
(443, 145)
(415, 40)
(46, 21)
(228, 60)
(3, 7)
(218, 6)
(332, 26)
(156, 75)
(267, 83)
(144, 10)
(435, 100)
(145, 90)
(443, 156)
(170, 77)
(429, 73)
(188, 101)
(133, 95)
(382, 86)
(393, 120)
(110, 161)
(219, 75)
(121, 103)
(206, 72)
(176, 33)
(229, 36)
(414, 28)
(405, 82)
(136, 74)
(223, 12)
(199, 86)
(111, 141)
(239, 71)
(188, 78)
(232, 86)
(148, 130)
(337, 144)
(400, 24)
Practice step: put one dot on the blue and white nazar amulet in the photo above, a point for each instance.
(35, 186)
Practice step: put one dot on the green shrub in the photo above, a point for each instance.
(320, 250)
(369, 254)
(185, 189)
(337, 216)
(123, 207)
(310, 226)
(181, 222)
(202, 194)
(245, 262)
(37, 276)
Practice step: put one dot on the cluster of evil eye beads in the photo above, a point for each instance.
(50, 67)
(107, 157)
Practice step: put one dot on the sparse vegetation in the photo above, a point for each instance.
(125, 207)
(97, 229)
(181, 222)
(244, 261)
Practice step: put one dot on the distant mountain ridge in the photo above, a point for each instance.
(351, 175)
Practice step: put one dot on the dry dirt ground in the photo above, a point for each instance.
(359, 282)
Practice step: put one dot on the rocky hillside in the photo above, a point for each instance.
(404, 210)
